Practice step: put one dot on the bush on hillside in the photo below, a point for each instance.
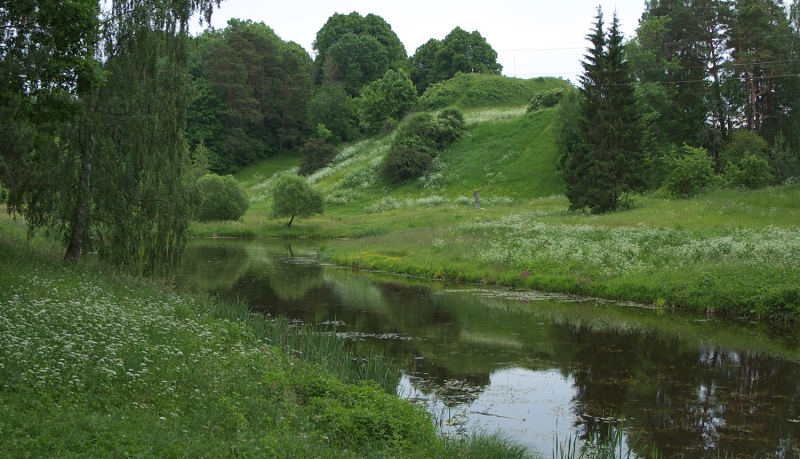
(221, 198)
(390, 97)
(316, 154)
(546, 99)
(750, 172)
(430, 134)
(691, 173)
(405, 163)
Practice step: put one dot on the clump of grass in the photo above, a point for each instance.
(610, 445)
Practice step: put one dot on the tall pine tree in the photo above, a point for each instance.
(608, 161)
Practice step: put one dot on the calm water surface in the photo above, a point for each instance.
(534, 366)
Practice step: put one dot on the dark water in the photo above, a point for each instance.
(534, 366)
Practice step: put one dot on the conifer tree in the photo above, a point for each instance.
(608, 161)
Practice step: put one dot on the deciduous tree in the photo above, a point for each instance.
(390, 97)
(293, 196)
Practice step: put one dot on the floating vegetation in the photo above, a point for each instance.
(363, 336)
(533, 295)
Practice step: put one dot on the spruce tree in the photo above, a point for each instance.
(608, 161)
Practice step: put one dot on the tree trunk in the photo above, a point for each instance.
(82, 208)
(289, 225)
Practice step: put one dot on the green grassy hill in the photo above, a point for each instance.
(508, 154)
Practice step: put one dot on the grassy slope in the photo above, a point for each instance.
(715, 252)
(474, 91)
(93, 364)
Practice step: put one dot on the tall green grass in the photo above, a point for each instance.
(317, 346)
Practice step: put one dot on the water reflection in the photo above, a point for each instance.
(536, 367)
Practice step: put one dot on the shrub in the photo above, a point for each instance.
(784, 161)
(316, 154)
(751, 172)
(430, 134)
(390, 97)
(742, 142)
(221, 198)
(691, 173)
(546, 99)
(389, 125)
(324, 133)
(293, 196)
(405, 163)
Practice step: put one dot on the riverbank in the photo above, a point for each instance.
(727, 252)
(97, 364)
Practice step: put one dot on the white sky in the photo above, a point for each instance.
(548, 36)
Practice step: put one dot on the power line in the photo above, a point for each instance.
(665, 43)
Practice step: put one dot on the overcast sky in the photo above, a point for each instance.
(532, 38)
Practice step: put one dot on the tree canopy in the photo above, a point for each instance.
(251, 94)
(707, 68)
(390, 97)
(293, 196)
(356, 60)
(460, 51)
(375, 26)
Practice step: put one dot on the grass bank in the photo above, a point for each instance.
(96, 364)
(730, 252)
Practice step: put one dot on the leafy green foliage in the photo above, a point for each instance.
(690, 173)
(742, 143)
(332, 107)
(293, 196)
(785, 163)
(418, 141)
(429, 133)
(221, 198)
(470, 91)
(360, 415)
(608, 161)
(750, 172)
(422, 65)
(357, 60)
(372, 25)
(324, 133)
(405, 163)
(546, 99)
(390, 97)
(459, 52)
(316, 154)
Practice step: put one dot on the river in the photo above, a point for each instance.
(536, 366)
